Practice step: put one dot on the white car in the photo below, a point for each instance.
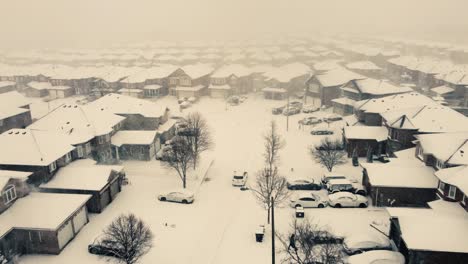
(239, 179)
(364, 242)
(192, 99)
(308, 201)
(347, 199)
(377, 257)
(185, 104)
(180, 196)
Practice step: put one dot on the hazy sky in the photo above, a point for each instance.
(92, 22)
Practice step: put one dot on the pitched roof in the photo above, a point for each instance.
(196, 71)
(32, 147)
(225, 71)
(337, 77)
(448, 147)
(133, 137)
(123, 104)
(379, 87)
(394, 102)
(442, 90)
(362, 65)
(456, 176)
(398, 175)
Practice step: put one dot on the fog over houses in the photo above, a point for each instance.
(279, 132)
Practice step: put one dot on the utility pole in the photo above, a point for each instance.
(287, 112)
(273, 231)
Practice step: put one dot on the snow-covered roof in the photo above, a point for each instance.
(379, 87)
(39, 85)
(456, 176)
(13, 99)
(366, 133)
(32, 147)
(220, 87)
(155, 72)
(78, 123)
(440, 90)
(362, 65)
(50, 210)
(133, 137)
(288, 72)
(130, 90)
(238, 70)
(90, 178)
(6, 83)
(15, 174)
(190, 88)
(398, 175)
(123, 104)
(152, 87)
(447, 207)
(448, 147)
(327, 65)
(394, 102)
(274, 90)
(196, 71)
(444, 232)
(337, 77)
(375, 256)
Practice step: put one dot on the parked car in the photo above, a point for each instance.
(311, 120)
(101, 246)
(377, 257)
(233, 100)
(332, 176)
(291, 111)
(310, 109)
(363, 242)
(181, 100)
(320, 132)
(278, 110)
(192, 99)
(308, 200)
(332, 117)
(347, 199)
(185, 104)
(242, 98)
(303, 184)
(345, 185)
(180, 196)
(239, 179)
(295, 104)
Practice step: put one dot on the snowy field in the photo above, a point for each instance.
(219, 226)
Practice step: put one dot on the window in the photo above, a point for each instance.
(173, 81)
(314, 88)
(79, 149)
(439, 164)
(88, 148)
(107, 137)
(100, 140)
(463, 201)
(441, 186)
(9, 194)
(68, 157)
(420, 153)
(452, 192)
(52, 166)
(1, 122)
(185, 81)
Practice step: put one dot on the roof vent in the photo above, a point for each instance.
(9, 133)
(17, 132)
(76, 106)
(68, 123)
(24, 133)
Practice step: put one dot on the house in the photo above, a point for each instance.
(291, 76)
(453, 185)
(135, 144)
(324, 87)
(13, 185)
(7, 86)
(42, 223)
(137, 93)
(86, 128)
(446, 92)
(220, 91)
(190, 91)
(365, 68)
(274, 93)
(37, 89)
(442, 150)
(102, 182)
(364, 141)
(140, 114)
(155, 75)
(14, 111)
(196, 76)
(399, 184)
(230, 79)
(445, 235)
(40, 152)
(60, 91)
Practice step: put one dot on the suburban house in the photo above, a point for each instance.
(135, 144)
(190, 81)
(86, 128)
(324, 87)
(365, 141)
(102, 182)
(362, 89)
(291, 77)
(41, 223)
(14, 111)
(148, 79)
(7, 86)
(13, 185)
(446, 239)
(275, 93)
(139, 114)
(443, 150)
(453, 185)
(37, 89)
(230, 79)
(399, 184)
(40, 152)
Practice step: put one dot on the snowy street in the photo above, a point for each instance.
(219, 226)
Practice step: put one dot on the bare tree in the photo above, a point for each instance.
(268, 183)
(179, 157)
(198, 134)
(329, 153)
(307, 242)
(129, 237)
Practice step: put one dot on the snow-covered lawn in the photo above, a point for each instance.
(219, 226)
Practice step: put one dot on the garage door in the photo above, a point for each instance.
(65, 234)
(105, 199)
(114, 189)
(80, 219)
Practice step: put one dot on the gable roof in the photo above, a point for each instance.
(447, 147)
(394, 102)
(122, 105)
(362, 65)
(379, 87)
(336, 77)
(196, 71)
(133, 137)
(225, 71)
(32, 147)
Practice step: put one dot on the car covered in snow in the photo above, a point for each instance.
(332, 118)
(102, 246)
(278, 110)
(311, 120)
(377, 257)
(239, 179)
(321, 132)
(192, 99)
(347, 199)
(332, 176)
(233, 100)
(310, 109)
(308, 201)
(345, 185)
(363, 242)
(291, 111)
(179, 196)
(185, 104)
(303, 184)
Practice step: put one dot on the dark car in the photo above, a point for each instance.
(101, 246)
(291, 111)
(311, 120)
(277, 110)
(321, 132)
(304, 185)
(332, 118)
(233, 100)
